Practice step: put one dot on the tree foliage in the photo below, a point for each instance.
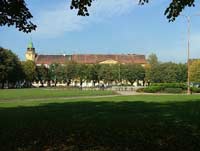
(195, 71)
(16, 13)
(133, 72)
(29, 69)
(10, 68)
(167, 72)
(41, 74)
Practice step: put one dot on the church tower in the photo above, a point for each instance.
(30, 52)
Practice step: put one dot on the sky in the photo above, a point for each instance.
(113, 27)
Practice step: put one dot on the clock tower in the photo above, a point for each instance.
(30, 52)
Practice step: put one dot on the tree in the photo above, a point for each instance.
(152, 59)
(10, 68)
(93, 73)
(41, 74)
(56, 73)
(181, 73)
(15, 12)
(195, 71)
(29, 69)
(106, 73)
(151, 68)
(133, 73)
(82, 73)
(70, 71)
(167, 72)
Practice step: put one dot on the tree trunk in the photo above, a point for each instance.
(94, 82)
(68, 82)
(2, 86)
(81, 83)
(48, 83)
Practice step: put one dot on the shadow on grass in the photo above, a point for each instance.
(102, 126)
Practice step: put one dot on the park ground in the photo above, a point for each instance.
(74, 120)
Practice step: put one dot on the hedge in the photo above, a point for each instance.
(195, 90)
(173, 90)
(171, 85)
(153, 89)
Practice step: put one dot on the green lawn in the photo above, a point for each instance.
(122, 123)
(38, 93)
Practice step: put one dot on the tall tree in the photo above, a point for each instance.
(42, 74)
(93, 73)
(152, 59)
(151, 68)
(133, 73)
(10, 68)
(29, 69)
(195, 71)
(82, 73)
(70, 72)
(56, 73)
(106, 73)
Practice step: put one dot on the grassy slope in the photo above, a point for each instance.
(13, 94)
(105, 124)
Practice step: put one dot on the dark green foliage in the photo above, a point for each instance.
(165, 87)
(11, 70)
(29, 69)
(153, 89)
(171, 85)
(106, 73)
(15, 13)
(70, 72)
(93, 73)
(82, 73)
(56, 73)
(167, 72)
(42, 74)
(195, 90)
(132, 72)
(173, 90)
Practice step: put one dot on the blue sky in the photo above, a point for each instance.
(113, 27)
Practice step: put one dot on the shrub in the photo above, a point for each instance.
(140, 90)
(173, 90)
(153, 89)
(195, 90)
(171, 85)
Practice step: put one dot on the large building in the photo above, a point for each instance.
(47, 60)
(84, 58)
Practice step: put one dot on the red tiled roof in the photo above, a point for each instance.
(122, 58)
(49, 59)
(90, 58)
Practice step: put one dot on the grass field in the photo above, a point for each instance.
(39, 93)
(121, 123)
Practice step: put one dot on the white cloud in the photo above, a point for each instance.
(59, 20)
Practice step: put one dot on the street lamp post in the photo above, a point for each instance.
(188, 18)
